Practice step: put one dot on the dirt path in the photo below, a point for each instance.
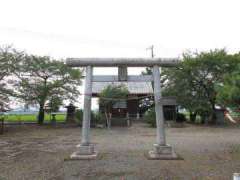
(32, 152)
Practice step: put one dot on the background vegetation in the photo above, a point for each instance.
(36, 80)
(201, 82)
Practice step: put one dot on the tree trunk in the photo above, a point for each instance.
(109, 120)
(213, 117)
(41, 114)
(42, 102)
(203, 119)
(193, 116)
(106, 115)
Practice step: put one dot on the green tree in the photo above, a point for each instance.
(229, 91)
(41, 79)
(180, 84)
(109, 96)
(9, 59)
(193, 81)
(54, 103)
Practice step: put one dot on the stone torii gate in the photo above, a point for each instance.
(86, 150)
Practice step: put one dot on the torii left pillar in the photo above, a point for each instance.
(86, 149)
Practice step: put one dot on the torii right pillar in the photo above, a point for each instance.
(161, 150)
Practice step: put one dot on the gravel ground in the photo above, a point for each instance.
(31, 152)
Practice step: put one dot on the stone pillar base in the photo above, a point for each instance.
(84, 152)
(162, 152)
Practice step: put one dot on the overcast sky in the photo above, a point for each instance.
(123, 28)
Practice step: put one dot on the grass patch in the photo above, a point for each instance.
(32, 117)
(235, 149)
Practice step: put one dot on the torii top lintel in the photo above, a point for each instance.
(130, 62)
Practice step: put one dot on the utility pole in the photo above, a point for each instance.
(148, 69)
(152, 50)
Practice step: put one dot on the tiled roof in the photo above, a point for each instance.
(133, 87)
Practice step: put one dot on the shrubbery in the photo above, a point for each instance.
(180, 118)
(99, 118)
(150, 117)
(96, 117)
(79, 116)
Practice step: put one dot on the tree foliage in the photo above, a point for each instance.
(194, 81)
(54, 103)
(109, 96)
(42, 79)
(229, 91)
(9, 59)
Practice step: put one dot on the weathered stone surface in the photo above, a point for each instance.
(114, 78)
(77, 156)
(122, 73)
(85, 149)
(130, 62)
(84, 152)
(161, 137)
(87, 107)
(162, 149)
(164, 152)
(71, 114)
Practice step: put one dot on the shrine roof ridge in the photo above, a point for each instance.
(130, 62)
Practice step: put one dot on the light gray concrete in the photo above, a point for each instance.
(123, 63)
(168, 100)
(85, 149)
(160, 150)
(131, 78)
(130, 62)
(87, 107)
(78, 156)
(161, 138)
(84, 152)
(236, 176)
(122, 73)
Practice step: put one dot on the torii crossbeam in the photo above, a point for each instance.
(86, 150)
(130, 62)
